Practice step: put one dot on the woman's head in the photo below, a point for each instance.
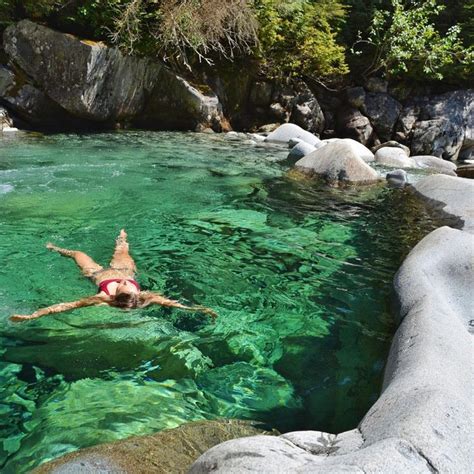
(126, 300)
(126, 295)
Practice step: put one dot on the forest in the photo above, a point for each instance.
(335, 42)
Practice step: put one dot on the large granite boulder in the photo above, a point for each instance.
(95, 83)
(284, 133)
(338, 163)
(394, 157)
(392, 144)
(361, 150)
(441, 126)
(449, 196)
(435, 164)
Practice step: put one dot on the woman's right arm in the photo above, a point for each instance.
(60, 307)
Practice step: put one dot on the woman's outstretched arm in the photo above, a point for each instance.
(147, 298)
(60, 307)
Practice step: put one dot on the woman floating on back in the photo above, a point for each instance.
(116, 284)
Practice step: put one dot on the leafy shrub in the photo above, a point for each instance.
(407, 45)
(299, 37)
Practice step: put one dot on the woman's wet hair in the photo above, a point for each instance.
(126, 300)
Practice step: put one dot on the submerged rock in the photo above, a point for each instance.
(338, 162)
(425, 376)
(165, 452)
(95, 83)
(397, 178)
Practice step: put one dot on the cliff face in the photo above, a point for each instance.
(95, 84)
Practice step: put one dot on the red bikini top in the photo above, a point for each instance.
(103, 284)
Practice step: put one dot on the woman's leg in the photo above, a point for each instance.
(83, 261)
(121, 259)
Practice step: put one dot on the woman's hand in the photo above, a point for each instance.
(21, 317)
(204, 310)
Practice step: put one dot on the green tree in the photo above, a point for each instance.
(406, 44)
(300, 37)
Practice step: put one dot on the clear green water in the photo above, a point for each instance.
(299, 274)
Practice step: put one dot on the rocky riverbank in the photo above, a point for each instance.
(55, 81)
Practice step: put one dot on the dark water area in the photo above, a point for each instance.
(300, 275)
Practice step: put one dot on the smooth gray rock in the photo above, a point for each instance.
(289, 130)
(95, 83)
(253, 454)
(434, 163)
(397, 178)
(428, 391)
(394, 157)
(338, 163)
(392, 144)
(300, 150)
(450, 195)
(319, 442)
(361, 150)
(383, 111)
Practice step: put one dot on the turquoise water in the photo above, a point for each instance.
(299, 274)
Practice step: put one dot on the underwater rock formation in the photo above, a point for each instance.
(422, 420)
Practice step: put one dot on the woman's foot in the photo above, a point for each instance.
(65, 252)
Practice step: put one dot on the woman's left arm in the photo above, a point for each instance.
(148, 298)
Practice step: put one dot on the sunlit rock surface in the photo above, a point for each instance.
(95, 83)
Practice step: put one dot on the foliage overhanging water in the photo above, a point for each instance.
(300, 276)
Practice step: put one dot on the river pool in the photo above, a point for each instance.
(300, 275)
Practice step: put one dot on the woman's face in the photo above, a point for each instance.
(125, 286)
